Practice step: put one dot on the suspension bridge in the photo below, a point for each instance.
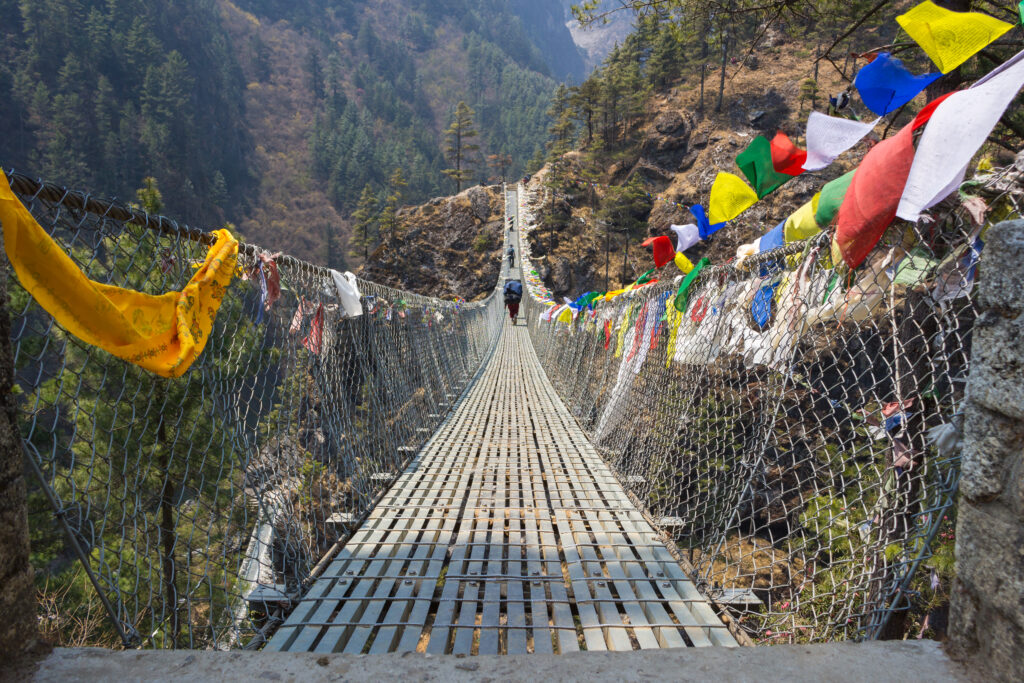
(425, 476)
(507, 533)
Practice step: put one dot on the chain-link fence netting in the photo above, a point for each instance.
(193, 510)
(794, 430)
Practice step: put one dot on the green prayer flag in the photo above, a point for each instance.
(832, 195)
(1020, 9)
(756, 163)
(645, 278)
(683, 294)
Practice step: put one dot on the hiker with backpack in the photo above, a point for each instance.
(513, 295)
(511, 258)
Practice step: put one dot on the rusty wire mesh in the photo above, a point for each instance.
(796, 434)
(200, 506)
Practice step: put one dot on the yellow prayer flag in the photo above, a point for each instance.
(673, 319)
(683, 263)
(801, 224)
(565, 316)
(161, 333)
(730, 197)
(950, 38)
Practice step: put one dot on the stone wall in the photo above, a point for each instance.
(987, 619)
(17, 595)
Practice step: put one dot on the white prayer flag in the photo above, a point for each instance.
(348, 293)
(958, 127)
(686, 236)
(830, 136)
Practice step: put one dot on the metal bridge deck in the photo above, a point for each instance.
(506, 534)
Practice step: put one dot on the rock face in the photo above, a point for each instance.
(448, 247)
(987, 610)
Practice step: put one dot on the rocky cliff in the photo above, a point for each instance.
(448, 247)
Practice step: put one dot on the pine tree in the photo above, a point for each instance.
(458, 148)
(500, 163)
(562, 126)
(389, 214)
(365, 217)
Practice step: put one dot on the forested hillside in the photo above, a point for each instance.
(274, 115)
(101, 94)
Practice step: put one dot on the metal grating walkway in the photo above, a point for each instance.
(506, 534)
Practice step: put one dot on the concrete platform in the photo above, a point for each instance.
(875, 662)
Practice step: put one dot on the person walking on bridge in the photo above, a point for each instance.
(511, 257)
(513, 295)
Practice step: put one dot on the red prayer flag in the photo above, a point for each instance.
(786, 157)
(869, 206)
(314, 340)
(607, 333)
(662, 248)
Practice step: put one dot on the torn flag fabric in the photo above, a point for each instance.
(830, 136)
(757, 164)
(163, 333)
(786, 157)
(885, 84)
(730, 197)
(348, 292)
(959, 125)
(870, 203)
(661, 248)
(950, 38)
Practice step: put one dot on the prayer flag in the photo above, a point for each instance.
(684, 288)
(801, 224)
(950, 38)
(661, 248)
(959, 125)
(348, 293)
(773, 239)
(786, 157)
(830, 136)
(163, 333)
(686, 235)
(704, 226)
(870, 203)
(885, 84)
(683, 263)
(757, 164)
(314, 340)
(831, 198)
(730, 197)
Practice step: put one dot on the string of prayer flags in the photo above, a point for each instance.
(801, 224)
(661, 248)
(683, 263)
(704, 226)
(958, 126)
(163, 333)
(687, 235)
(885, 84)
(831, 198)
(871, 200)
(682, 295)
(830, 136)
(757, 164)
(950, 38)
(348, 293)
(773, 239)
(787, 157)
(730, 197)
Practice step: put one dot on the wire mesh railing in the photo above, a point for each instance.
(795, 429)
(189, 512)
